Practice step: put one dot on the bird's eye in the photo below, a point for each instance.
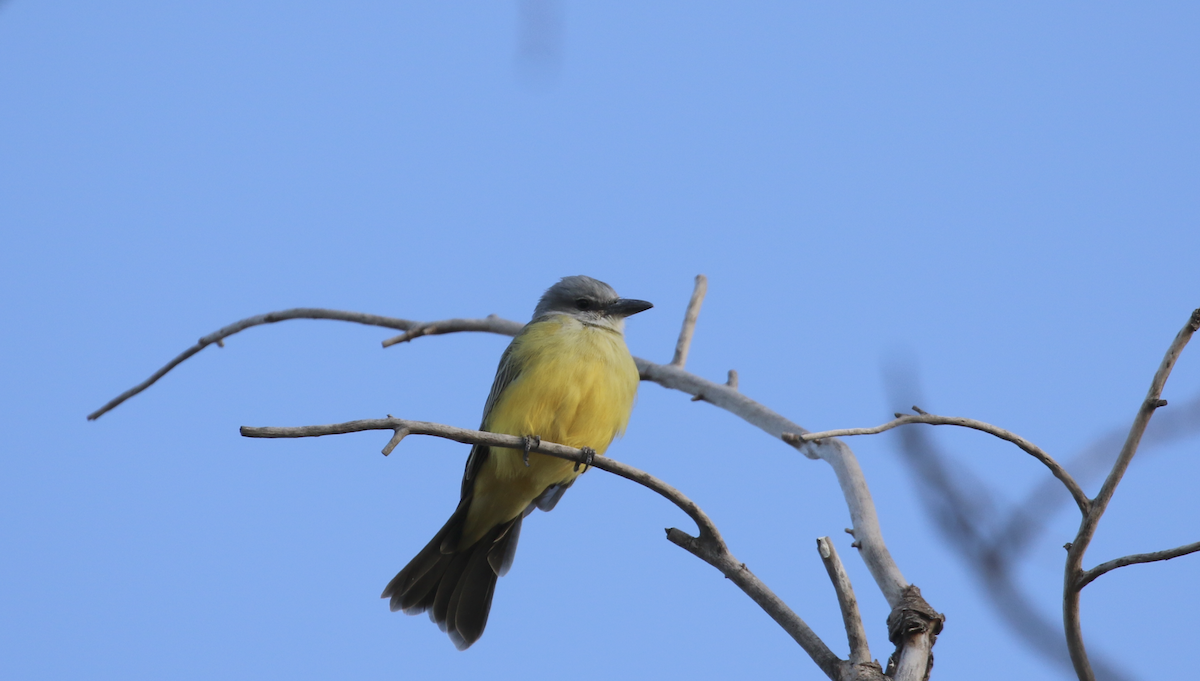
(583, 304)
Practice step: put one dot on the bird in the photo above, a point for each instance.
(567, 377)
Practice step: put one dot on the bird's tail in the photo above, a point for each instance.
(455, 584)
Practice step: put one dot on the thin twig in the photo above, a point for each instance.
(1090, 575)
(708, 546)
(860, 651)
(689, 322)
(932, 419)
(221, 334)
(491, 324)
(1073, 571)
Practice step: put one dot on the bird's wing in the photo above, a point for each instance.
(508, 371)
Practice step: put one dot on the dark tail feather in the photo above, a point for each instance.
(413, 588)
(456, 587)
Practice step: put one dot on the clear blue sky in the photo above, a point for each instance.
(1002, 196)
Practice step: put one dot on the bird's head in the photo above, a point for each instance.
(590, 301)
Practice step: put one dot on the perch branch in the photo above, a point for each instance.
(860, 651)
(1057, 470)
(689, 322)
(1090, 575)
(1073, 573)
(708, 546)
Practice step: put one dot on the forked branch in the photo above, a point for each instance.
(1074, 577)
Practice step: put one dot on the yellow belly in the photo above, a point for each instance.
(576, 388)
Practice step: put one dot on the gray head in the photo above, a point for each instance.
(588, 300)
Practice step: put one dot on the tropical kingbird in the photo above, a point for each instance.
(567, 378)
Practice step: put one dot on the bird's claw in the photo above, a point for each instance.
(531, 441)
(589, 455)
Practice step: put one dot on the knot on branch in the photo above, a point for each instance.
(912, 617)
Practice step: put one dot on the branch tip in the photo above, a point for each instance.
(856, 635)
(399, 435)
(689, 322)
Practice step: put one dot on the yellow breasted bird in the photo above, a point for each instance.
(567, 378)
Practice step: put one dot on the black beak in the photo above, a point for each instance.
(627, 307)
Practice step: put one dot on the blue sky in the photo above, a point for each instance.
(1001, 198)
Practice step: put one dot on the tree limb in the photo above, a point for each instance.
(1057, 470)
(1073, 571)
(708, 546)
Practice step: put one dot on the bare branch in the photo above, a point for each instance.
(1168, 554)
(863, 516)
(490, 324)
(860, 651)
(1073, 572)
(1057, 470)
(708, 546)
(270, 318)
(689, 322)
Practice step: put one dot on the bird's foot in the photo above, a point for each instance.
(589, 455)
(531, 441)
